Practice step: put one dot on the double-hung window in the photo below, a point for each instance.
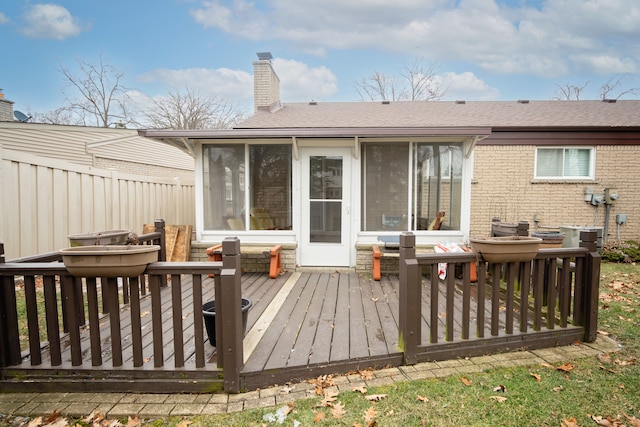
(565, 163)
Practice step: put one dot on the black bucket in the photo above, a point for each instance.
(209, 313)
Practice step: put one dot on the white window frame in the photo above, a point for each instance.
(592, 163)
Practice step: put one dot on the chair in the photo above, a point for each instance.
(437, 222)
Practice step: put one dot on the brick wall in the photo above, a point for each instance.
(503, 186)
(6, 109)
(266, 84)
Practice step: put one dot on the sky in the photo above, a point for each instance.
(478, 49)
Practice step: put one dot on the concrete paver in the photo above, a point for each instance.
(148, 405)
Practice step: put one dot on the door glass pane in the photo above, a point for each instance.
(325, 180)
(326, 222)
(325, 199)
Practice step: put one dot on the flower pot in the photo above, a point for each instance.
(109, 261)
(110, 237)
(507, 249)
(209, 314)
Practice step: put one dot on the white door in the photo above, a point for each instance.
(326, 197)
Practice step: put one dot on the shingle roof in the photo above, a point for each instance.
(495, 114)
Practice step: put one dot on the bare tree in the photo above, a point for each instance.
(102, 96)
(191, 110)
(613, 88)
(415, 82)
(569, 92)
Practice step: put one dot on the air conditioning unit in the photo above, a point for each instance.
(572, 235)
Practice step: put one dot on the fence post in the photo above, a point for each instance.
(230, 260)
(231, 349)
(410, 299)
(591, 285)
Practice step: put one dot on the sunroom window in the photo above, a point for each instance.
(433, 184)
(564, 163)
(267, 183)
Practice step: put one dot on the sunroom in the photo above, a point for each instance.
(326, 194)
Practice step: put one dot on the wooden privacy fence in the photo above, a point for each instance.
(552, 300)
(46, 200)
(121, 347)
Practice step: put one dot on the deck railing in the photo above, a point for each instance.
(118, 347)
(552, 300)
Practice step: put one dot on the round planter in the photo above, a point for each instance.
(110, 237)
(209, 313)
(507, 249)
(109, 261)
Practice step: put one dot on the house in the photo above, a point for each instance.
(329, 180)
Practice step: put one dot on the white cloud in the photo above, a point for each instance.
(221, 82)
(50, 21)
(466, 86)
(3, 18)
(548, 40)
(299, 82)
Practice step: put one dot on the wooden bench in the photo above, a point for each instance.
(273, 252)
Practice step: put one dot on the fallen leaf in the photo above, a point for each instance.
(466, 381)
(375, 397)
(390, 413)
(536, 376)
(571, 422)
(360, 389)
(635, 422)
(567, 367)
(370, 416)
(135, 422)
(422, 398)
(500, 399)
(500, 388)
(604, 358)
(337, 410)
(54, 416)
(602, 421)
(557, 389)
(318, 416)
(546, 365)
(374, 299)
(36, 422)
(366, 374)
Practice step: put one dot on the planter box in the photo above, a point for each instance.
(109, 261)
(110, 237)
(507, 249)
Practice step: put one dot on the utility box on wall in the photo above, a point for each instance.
(572, 236)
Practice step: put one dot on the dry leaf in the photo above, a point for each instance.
(422, 399)
(500, 388)
(366, 374)
(567, 367)
(318, 416)
(604, 358)
(390, 413)
(374, 299)
(337, 410)
(466, 381)
(633, 421)
(36, 422)
(571, 422)
(375, 397)
(135, 422)
(500, 399)
(546, 365)
(370, 416)
(54, 416)
(360, 389)
(606, 422)
(536, 376)
(557, 389)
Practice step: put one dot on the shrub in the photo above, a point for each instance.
(628, 251)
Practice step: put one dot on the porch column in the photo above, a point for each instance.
(410, 299)
(591, 285)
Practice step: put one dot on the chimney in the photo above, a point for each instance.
(266, 84)
(6, 109)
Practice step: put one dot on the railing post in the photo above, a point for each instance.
(231, 349)
(162, 256)
(591, 285)
(410, 299)
(230, 260)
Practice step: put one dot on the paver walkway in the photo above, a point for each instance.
(118, 405)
